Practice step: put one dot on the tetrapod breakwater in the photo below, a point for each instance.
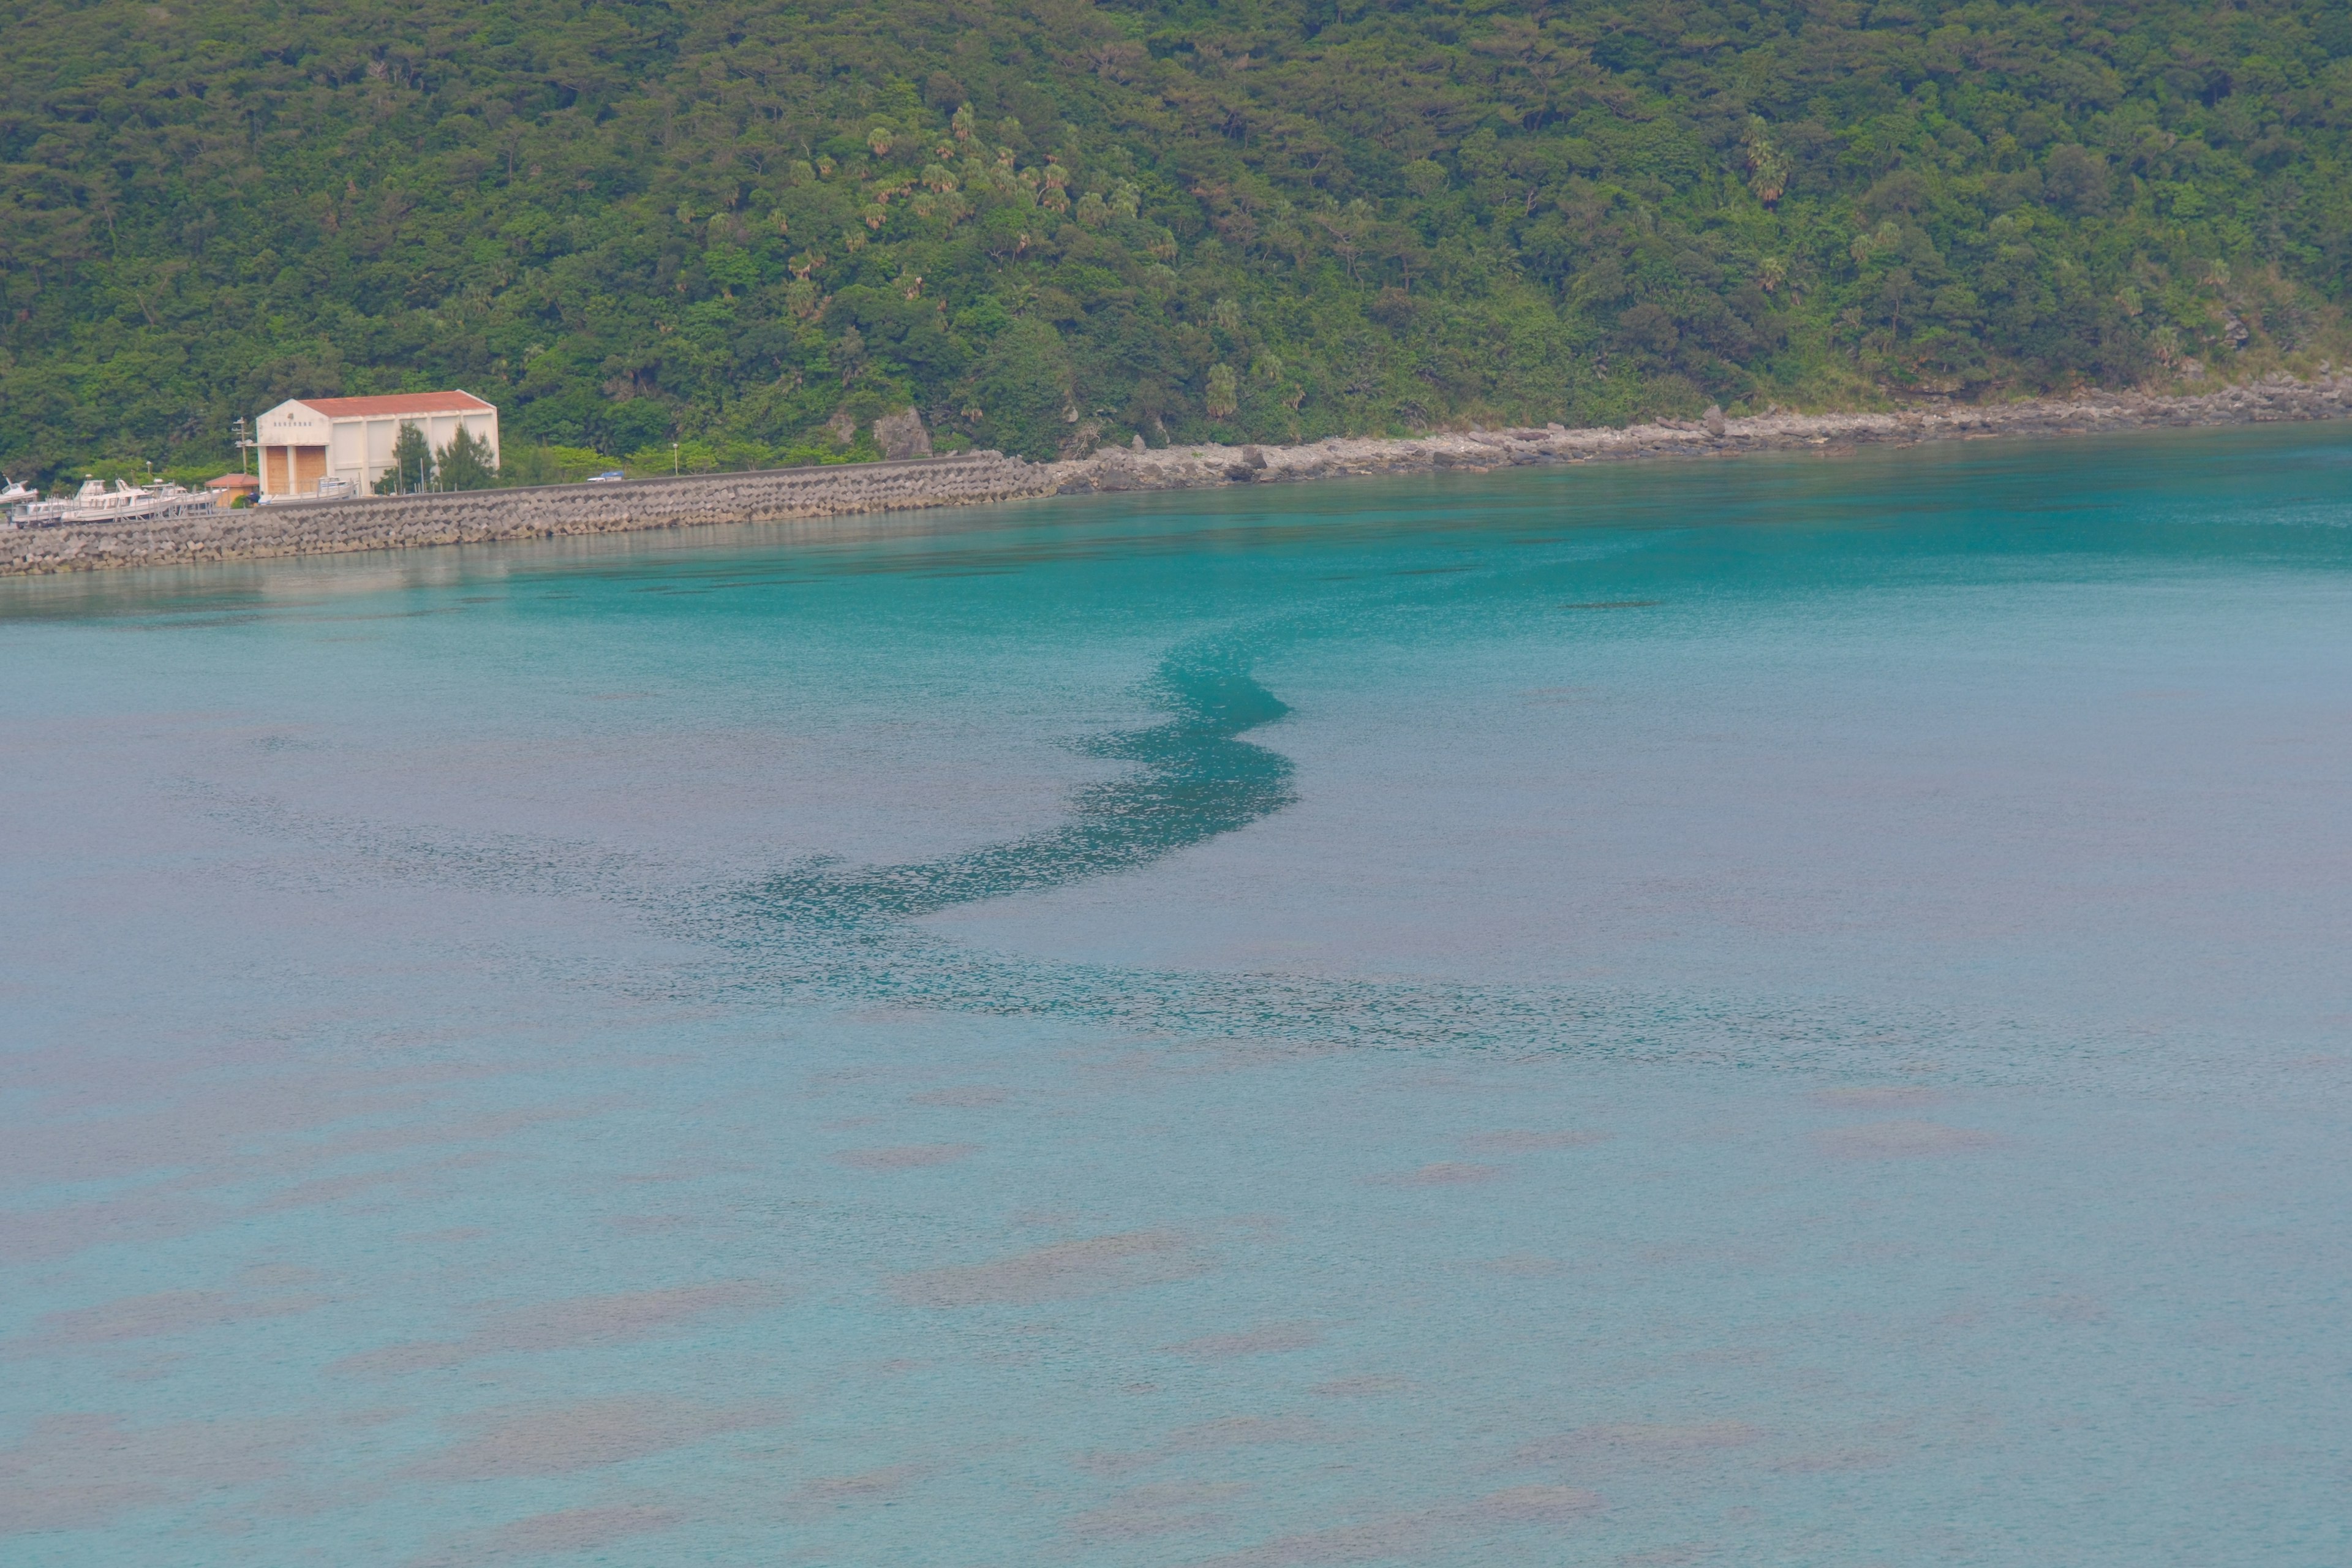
(475, 517)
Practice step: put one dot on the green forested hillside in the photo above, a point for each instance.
(1046, 223)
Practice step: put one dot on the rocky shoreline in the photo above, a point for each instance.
(2277, 399)
(974, 478)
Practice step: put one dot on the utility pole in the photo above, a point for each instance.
(673, 460)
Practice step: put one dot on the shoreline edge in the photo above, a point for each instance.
(473, 517)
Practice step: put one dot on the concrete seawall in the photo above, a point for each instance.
(473, 517)
(553, 510)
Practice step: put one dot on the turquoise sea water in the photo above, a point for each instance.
(1792, 1011)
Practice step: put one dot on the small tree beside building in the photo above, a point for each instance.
(412, 464)
(464, 464)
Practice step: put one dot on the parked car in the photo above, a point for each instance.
(610, 476)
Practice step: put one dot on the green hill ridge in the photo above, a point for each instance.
(752, 227)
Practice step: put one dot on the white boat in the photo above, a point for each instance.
(94, 503)
(26, 508)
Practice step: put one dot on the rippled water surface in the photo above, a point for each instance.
(1781, 1012)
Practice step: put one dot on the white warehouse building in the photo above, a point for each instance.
(305, 439)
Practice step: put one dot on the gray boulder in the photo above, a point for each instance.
(902, 435)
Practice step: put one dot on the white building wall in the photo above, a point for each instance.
(366, 445)
(358, 447)
(362, 449)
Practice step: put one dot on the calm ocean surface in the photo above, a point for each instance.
(1794, 1011)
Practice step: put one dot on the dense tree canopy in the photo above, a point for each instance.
(751, 225)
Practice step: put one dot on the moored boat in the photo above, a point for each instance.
(24, 507)
(95, 502)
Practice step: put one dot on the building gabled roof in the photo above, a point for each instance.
(399, 402)
(233, 483)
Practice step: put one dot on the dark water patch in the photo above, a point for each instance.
(619, 1317)
(910, 1157)
(567, 1529)
(554, 1440)
(1364, 1385)
(487, 862)
(1447, 1174)
(836, 935)
(1066, 1270)
(164, 1313)
(1273, 1339)
(839, 934)
(1167, 1508)
(1420, 1536)
(1193, 780)
(86, 1471)
(871, 1486)
(46, 1235)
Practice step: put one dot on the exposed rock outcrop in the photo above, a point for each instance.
(902, 435)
